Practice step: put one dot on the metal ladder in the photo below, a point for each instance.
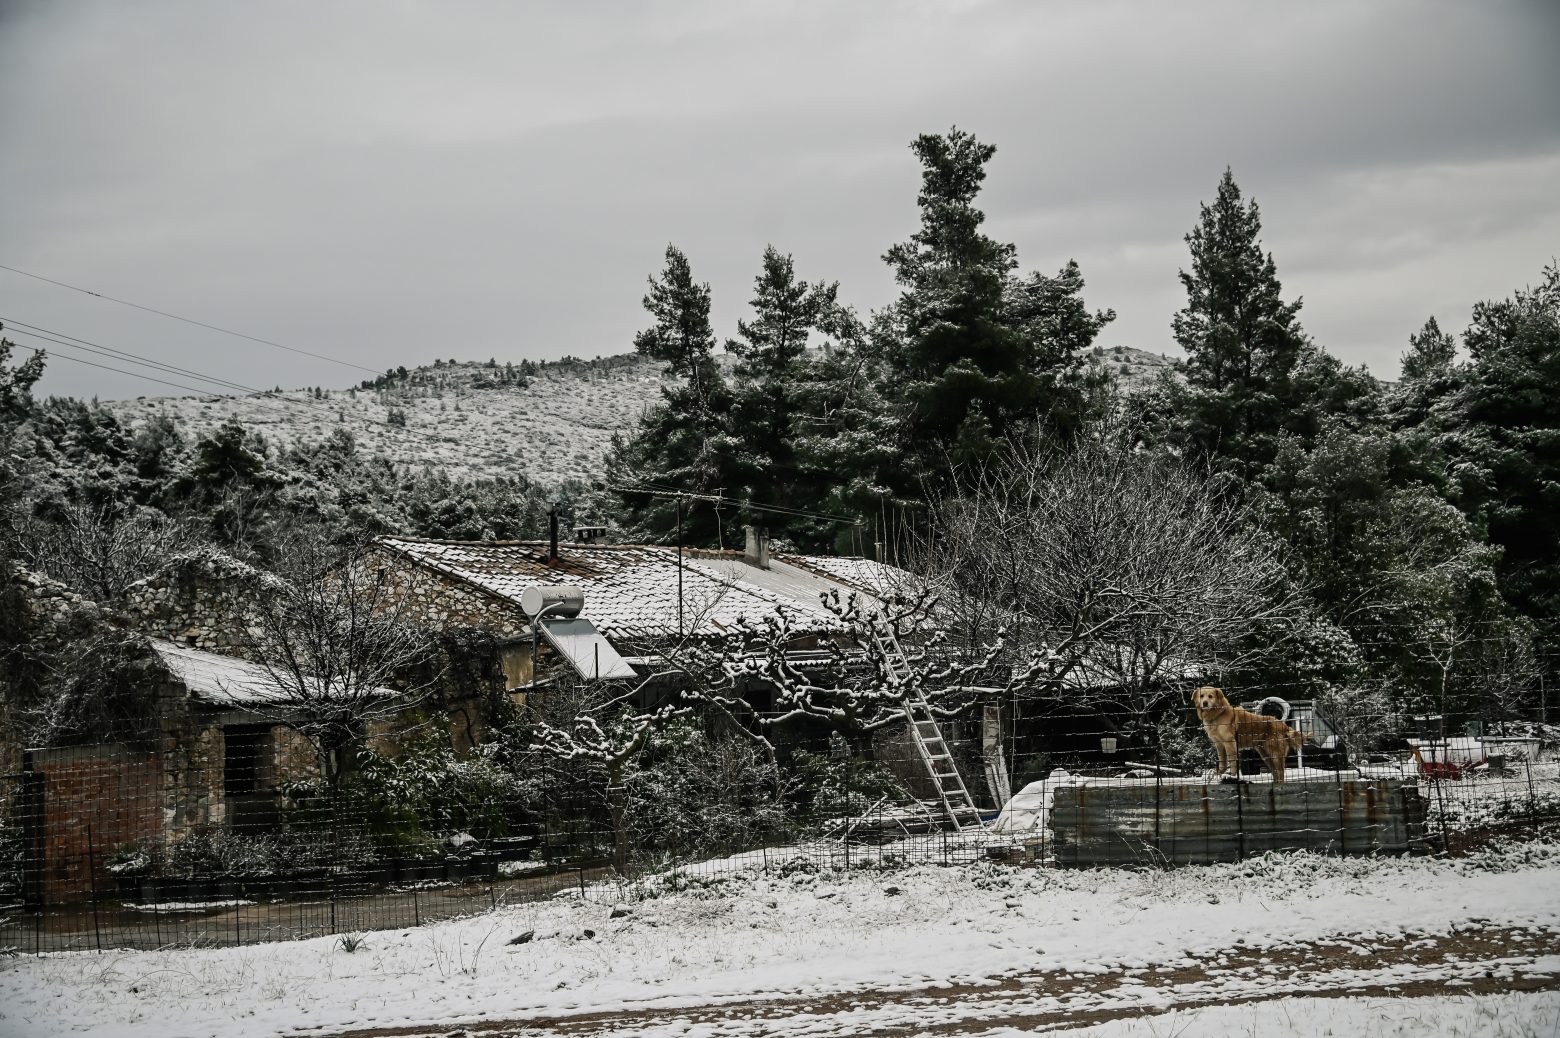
(952, 795)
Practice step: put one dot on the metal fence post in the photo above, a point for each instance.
(97, 929)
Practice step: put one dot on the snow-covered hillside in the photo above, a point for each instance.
(472, 419)
(549, 422)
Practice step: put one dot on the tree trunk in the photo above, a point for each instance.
(860, 744)
(617, 808)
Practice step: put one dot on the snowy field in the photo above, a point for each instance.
(1470, 944)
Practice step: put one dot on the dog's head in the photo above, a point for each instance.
(1207, 698)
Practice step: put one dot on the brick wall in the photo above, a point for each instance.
(96, 799)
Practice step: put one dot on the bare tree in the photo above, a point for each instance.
(1505, 672)
(1360, 715)
(336, 648)
(883, 655)
(1116, 572)
(102, 550)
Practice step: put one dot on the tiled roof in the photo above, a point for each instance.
(877, 579)
(631, 591)
(222, 680)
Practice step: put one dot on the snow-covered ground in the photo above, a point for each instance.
(1489, 1016)
(924, 948)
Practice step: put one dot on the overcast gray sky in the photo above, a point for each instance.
(390, 182)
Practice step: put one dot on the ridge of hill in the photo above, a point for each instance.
(550, 421)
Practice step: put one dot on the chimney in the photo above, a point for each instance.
(757, 551)
(552, 543)
(590, 533)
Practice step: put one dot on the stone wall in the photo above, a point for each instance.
(437, 601)
(191, 756)
(202, 599)
(56, 612)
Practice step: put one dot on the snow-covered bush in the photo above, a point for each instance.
(1182, 745)
(219, 851)
(833, 787)
(409, 803)
(11, 849)
(691, 795)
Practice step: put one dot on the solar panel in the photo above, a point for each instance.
(584, 647)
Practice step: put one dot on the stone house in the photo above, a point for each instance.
(638, 600)
(220, 756)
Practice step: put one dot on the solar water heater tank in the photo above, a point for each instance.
(560, 600)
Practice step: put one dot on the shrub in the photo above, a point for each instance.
(1183, 746)
(692, 795)
(409, 803)
(833, 787)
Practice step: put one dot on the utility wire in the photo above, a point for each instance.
(122, 371)
(135, 358)
(60, 339)
(654, 490)
(190, 320)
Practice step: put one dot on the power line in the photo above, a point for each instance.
(190, 320)
(135, 358)
(122, 371)
(657, 490)
(59, 339)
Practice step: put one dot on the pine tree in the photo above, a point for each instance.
(230, 455)
(16, 382)
(1430, 352)
(1510, 409)
(1058, 332)
(956, 366)
(771, 368)
(683, 444)
(1431, 380)
(681, 335)
(1241, 339)
(973, 353)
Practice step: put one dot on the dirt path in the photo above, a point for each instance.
(1468, 962)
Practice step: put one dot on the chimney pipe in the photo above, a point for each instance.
(757, 550)
(552, 544)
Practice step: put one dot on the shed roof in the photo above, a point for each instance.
(223, 680)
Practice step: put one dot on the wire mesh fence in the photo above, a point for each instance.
(228, 834)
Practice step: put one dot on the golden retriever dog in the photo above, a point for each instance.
(1232, 729)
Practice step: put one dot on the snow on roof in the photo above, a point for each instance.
(222, 680)
(784, 578)
(877, 579)
(631, 590)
